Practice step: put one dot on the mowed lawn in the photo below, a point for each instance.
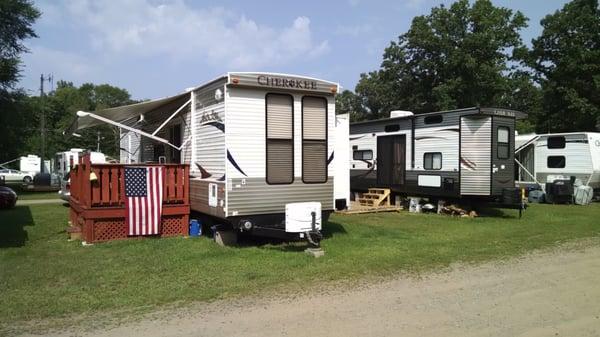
(43, 276)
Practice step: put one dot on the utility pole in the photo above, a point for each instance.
(42, 120)
(43, 130)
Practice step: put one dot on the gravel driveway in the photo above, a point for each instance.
(554, 293)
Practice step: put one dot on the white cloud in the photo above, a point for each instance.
(175, 30)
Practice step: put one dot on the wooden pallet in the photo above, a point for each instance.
(376, 197)
(356, 208)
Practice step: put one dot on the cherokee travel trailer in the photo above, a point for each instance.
(466, 153)
(255, 142)
(544, 158)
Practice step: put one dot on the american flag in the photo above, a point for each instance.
(143, 202)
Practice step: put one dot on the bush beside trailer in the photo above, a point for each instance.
(465, 153)
(255, 142)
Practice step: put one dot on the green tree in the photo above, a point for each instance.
(567, 59)
(454, 57)
(349, 103)
(16, 21)
(61, 107)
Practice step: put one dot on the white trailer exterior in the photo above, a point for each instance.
(544, 158)
(254, 141)
(341, 161)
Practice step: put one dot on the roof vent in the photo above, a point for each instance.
(400, 113)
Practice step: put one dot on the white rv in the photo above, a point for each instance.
(465, 153)
(341, 162)
(255, 142)
(545, 158)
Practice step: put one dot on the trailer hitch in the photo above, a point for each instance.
(314, 236)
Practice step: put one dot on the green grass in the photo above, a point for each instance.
(43, 276)
(28, 195)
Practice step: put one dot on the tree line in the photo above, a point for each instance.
(467, 54)
(472, 54)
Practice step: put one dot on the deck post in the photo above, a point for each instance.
(186, 184)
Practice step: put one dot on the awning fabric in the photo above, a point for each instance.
(523, 140)
(121, 113)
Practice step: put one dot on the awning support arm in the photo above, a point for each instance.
(171, 117)
(128, 128)
(531, 175)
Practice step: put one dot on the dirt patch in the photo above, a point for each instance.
(554, 293)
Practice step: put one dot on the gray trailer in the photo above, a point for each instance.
(465, 153)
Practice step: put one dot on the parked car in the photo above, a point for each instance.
(8, 197)
(13, 176)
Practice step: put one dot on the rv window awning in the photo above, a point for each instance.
(523, 141)
(120, 114)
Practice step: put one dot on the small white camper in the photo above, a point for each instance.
(548, 157)
(255, 142)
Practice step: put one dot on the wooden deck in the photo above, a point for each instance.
(98, 205)
(357, 208)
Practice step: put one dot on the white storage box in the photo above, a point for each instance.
(298, 216)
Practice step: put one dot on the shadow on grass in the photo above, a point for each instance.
(12, 231)
(490, 212)
(329, 230)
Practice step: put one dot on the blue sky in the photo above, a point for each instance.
(159, 48)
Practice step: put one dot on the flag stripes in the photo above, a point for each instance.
(143, 202)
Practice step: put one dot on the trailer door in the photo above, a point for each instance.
(391, 157)
(475, 155)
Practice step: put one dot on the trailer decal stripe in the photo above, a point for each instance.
(232, 161)
(203, 173)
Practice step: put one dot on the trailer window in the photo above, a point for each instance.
(432, 161)
(557, 142)
(314, 139)
(556, 162)
(503, 143)
(436, 119)
(362, 155)
(392, 128)
(280, 139)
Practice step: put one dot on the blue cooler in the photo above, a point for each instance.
(195, 228)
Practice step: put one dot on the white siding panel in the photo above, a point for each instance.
(246, 142)
(210, 140)
(475, 171)
(577, 155)
(442, 137)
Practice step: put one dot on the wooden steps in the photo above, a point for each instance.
(375, 197)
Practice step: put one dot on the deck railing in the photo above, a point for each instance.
(98, 199)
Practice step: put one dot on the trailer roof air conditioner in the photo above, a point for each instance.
(400, 113)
